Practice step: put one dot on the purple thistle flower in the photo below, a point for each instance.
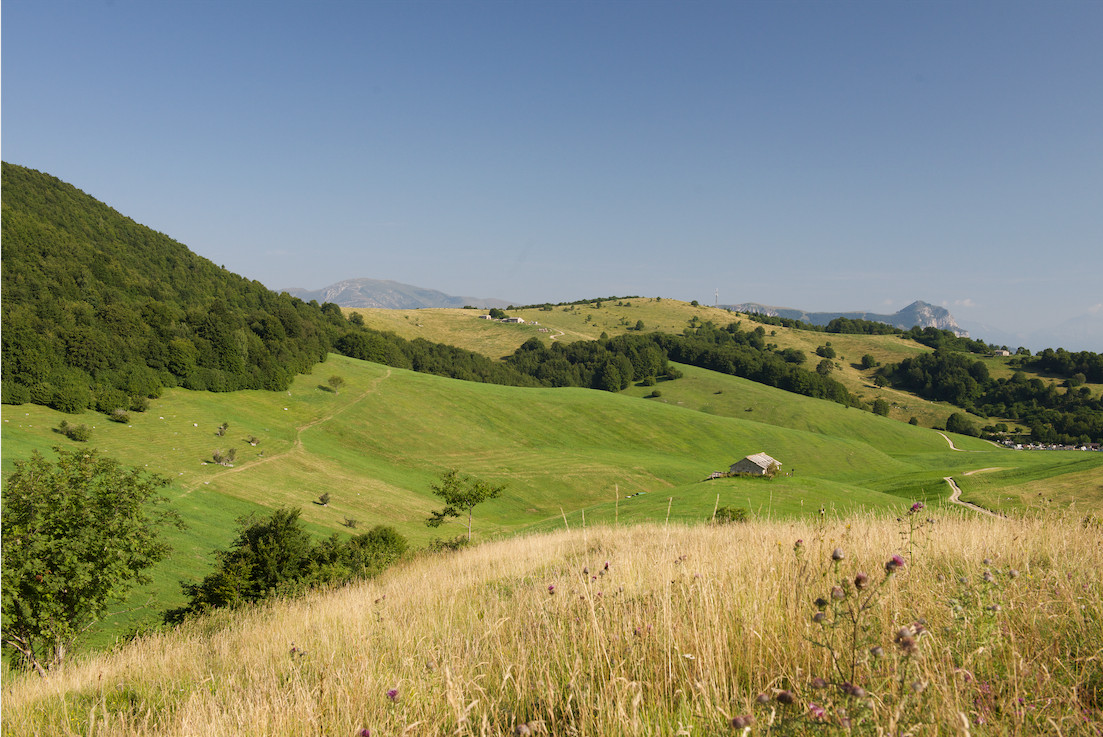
(392, 694)
(837, 554)
(895, 562)
(916, 507)
(364, 732)
(861, 581)
(551, 588)
(786, 697)
(743, 721)
(817, 711)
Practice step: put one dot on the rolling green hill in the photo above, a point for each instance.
(99, 310)
(376, 446)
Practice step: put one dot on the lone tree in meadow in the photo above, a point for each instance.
(77, 534)
(335, 383)
(460, 494)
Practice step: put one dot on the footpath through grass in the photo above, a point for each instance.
(377, 445)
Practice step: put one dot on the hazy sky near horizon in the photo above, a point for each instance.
(820, 155)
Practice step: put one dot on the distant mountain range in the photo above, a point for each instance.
(388, 294)
(917, 313)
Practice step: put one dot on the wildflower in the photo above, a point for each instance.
(895, 562)
(861, 581)
(837, 593)
(762, 698)
(877, 651)
(905, 638)
(837, 554)
(364, 732)
(818, 683)
(1013, 573)
(817, 711)
(851, 690)
(523, 729)
(820, 603)
(916, 507)
(551, 588)
(798, 546)
(786, 697)
(988, 577)
(585, 570)
(918, 686)
(392, 694)
(606, 565)
(819, 617)
(742, 722)
(987, 561)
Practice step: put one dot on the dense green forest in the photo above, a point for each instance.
(1053, 416)
(99, 311)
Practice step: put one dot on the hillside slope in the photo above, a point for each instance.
(646, 630)
(378, 444)
(101, 311)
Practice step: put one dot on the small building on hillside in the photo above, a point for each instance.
(517, 320)
(759, 464)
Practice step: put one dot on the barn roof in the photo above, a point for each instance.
(762, 460)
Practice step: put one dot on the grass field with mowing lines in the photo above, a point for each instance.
(377, 446)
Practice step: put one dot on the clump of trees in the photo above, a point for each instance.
(1072, 416)
(276, 556)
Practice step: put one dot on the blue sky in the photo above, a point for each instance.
(820, 155)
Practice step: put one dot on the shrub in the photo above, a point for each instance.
(119, 415)
(728, 515)
(655, 393)
(324, 499)
(959, 423)
(79, 433)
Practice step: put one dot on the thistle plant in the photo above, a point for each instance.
(867, 668)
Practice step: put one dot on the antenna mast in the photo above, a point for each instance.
(717, 297)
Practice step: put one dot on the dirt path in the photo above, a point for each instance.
(297, 445)
(955, 496)
(951, 442)
(983, 470)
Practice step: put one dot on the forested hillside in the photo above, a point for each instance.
(99, 311)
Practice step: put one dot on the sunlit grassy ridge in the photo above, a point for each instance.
(643, 630)
(586, 322)
(378, 444)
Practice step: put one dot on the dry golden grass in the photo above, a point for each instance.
(679, 635)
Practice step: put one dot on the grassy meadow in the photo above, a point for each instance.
(989, 627)
(462, 328)
(563, 454)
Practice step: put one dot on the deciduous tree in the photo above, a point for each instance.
(78, 533)
(461, 494)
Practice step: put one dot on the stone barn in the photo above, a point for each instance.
(759, 464)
